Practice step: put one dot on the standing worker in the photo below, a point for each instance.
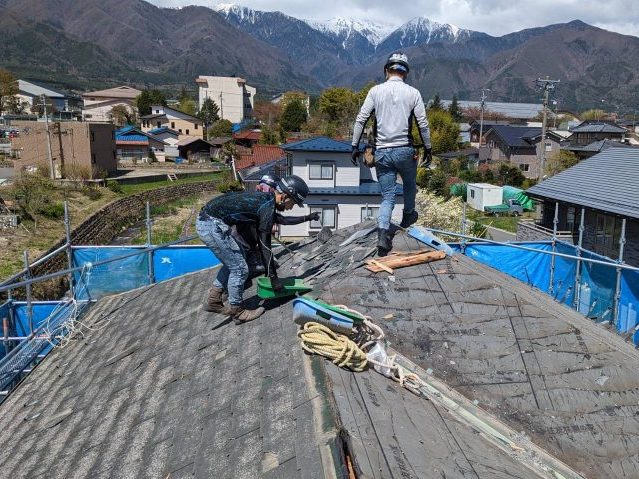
(258, 210)
(394, 104)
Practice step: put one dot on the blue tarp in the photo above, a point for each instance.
(175, 261)
(133, 272)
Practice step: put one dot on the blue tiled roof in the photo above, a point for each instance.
(320, 143)
(364, 189)
(162, 129)
(131, 138)
(126, 129)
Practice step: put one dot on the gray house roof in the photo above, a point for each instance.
(608, 181)
(598, 127)
(511, 110)
(31, 89)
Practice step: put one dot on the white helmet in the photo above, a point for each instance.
(397, 61)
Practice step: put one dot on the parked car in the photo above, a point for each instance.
(512, 207)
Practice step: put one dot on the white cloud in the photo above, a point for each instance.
(496, 17)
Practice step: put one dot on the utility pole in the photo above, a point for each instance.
(46, 124)
(547, 84)
(481, 115)
(221, 107)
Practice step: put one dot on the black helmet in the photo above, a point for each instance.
(270, 180)
(294, 187)
(397, 61)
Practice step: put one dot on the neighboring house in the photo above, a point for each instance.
(77, 148)
(586, 151)
(471, 155)
(133, 144)
(476, 127)
(342, 193)
(590, 131)
(63, 106)
(247, 138)
(165, 134)
(164, 117)
(98, 104)
(260, 155)
(232, 95)
(519, 146)
(605, 186)
(516, 111)
(251, 176)
(195, 150)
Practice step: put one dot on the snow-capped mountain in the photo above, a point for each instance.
(421, 31)
(344, 28)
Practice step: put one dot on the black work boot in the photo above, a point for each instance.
(215, 301)
(408, 219)
(384, 242)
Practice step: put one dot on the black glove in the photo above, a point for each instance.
(313, 216)
(276, 284)
(355, 155)
(428, 157)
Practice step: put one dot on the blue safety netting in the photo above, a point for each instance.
(175, 261)
(595, 293)
(126, 274)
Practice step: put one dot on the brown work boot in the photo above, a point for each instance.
(215, 301)
(242, 315)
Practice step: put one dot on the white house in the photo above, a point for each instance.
(31, 93)
(344, 194)
(480, 195)
(232, 95)
(164, 117)
(98, 104)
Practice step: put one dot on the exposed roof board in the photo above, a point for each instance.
(607, 181)
(511, 110)
(319, 144)
(162, 389)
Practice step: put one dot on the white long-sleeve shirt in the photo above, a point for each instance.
(395, 104)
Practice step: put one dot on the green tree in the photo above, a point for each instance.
(269, 136)
(560, 161)
(338, 104)
(437, 103)
(221, 128)
(209, 113)
(444, 132)
(8, 90)
(188, 105)
(147, 99)
(454, 110)
(510, 175)
(437, 183)
(361, 95)
(293, 116)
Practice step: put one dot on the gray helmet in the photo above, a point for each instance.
(397, 61)
(270, 180)
(294, 187)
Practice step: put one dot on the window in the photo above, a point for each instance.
(187, 131)
(607, 235)
(524, 167)
(196, 125)
(173, 125)
(472, 193)
(159, 124)
(180, 130)
(327, 217)
(548, 146)
(320, 171)
(157, 111)
(570, 218)
(369, 212)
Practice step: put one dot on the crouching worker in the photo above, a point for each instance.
(253, 209)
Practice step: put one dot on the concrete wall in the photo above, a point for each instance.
(234, 98)
(98, 110)
(88, 146)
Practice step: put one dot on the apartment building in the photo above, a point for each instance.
(231, 94)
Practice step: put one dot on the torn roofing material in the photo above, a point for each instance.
(161, 388)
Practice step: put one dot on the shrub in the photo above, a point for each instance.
(114, 186)
(230, 185)
(51, 210)
(422, 177)
(91, 192)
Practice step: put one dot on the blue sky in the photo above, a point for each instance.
(496, 17)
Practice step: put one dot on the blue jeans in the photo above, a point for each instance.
(388, 163)
(231, 277)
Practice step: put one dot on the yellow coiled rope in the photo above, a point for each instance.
(345, 353)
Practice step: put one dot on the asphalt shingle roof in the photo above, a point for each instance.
(607, 181)
(515, 136)
(603, 127)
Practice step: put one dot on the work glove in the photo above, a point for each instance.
(428, 157)
(276, 284)
(313, 216)
(355, 155)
